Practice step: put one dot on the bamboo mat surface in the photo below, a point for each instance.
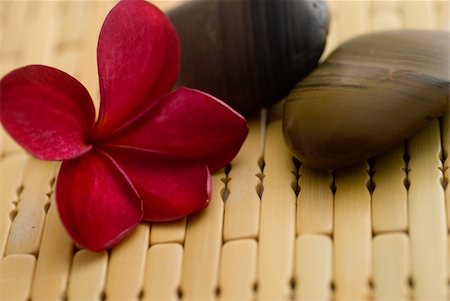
(275, 230)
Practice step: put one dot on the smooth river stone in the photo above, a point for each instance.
(249, 53)
(372, 92)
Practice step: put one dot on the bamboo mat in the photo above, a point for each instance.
(275, 230)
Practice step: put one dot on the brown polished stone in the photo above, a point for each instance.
(373, 91)
(249, 53)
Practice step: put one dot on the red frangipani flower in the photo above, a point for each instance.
(149, 154)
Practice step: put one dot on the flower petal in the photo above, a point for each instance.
(96, 202)
(187, 123)
(138, 61)
(170, 187)
(46, 111)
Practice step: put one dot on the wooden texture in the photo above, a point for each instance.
(168, 232)
(313, 267)
(202, 248)
(277, 226)
(126, 266)
(391, 267)
(314, 201)
(87, 275)
(428, 229)
(352, 233)
(390, 196)
(16, 276)
(163, 272)
(238, 270)
(241, 219)
(275, 230)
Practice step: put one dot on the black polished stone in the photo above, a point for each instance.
(249, 53)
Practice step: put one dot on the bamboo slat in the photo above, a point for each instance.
(238, 270)
(445, 134)
(389, 198)
(54, 260)
(352, 233)
(163, 272)
(352, 19)
(277, 226)
(242, 205)
(9, 145)
(443, 12)
(87, 276)
(391, 262)
(420, 14)
(16, 275)
(314, 202)
(125, 277)
(11, 173)
(313, 267)
(27, 227)
(385, 15)
(428, 231)
(202, 248)
(275, 230)
(168, 232)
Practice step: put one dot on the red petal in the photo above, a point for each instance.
(138, 61)
(170, 187)
(46, 111)
(96, 202)
(187, 123)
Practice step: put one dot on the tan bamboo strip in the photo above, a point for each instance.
(168, 232)
(313, 267)
(87, 276)
(16, 274)
(67, 61)
(27, 227)
(386, 15)
(71, 37)
(427, 224)
(9, 145)
(444, 15)
(13, 26)
(126, 266)
(353, 19)
(241, 218)
(42, 30)
(352, 233)
(445, 129)
(314, 202)
(448, 259)
(72, 30)
(202, 248)
(2, 139)
(166, 5)
(390, 197)
(238, 270)
(277, 227)
(88, 74)
(391, 267)
(332, 38)
(420, 14)
(163, 272)
(55, 257)
(447, 191)
(11, 173)
(445, 134)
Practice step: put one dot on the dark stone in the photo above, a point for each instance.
(249, 53)
(372, 92)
